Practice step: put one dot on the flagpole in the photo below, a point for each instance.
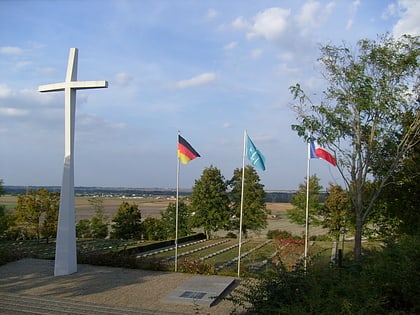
(242, 205)
(176, 210)
(307, 207)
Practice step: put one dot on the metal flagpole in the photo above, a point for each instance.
(307, 207)
(176, 209)
(242, 206)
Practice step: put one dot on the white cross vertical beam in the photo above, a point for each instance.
(65, 251)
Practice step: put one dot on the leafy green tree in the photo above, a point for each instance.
(3, 214)
(1, 187)
(168, 220)
(400, 199)
(127, 222)
(254, 216)
(98, 223)
(371, 89)
(210, 202)
(37, 213)
(153, 229)
(50, 207)
(7, 220)
(298, 213)
(337, 211)
(83, 229)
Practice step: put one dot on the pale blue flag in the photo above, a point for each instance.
(256, 158)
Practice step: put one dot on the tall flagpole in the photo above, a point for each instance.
(242, 205)
(307, 207)
(176, 209)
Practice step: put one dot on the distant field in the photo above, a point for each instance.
(152, 207)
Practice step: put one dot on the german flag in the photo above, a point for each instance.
(186, 152)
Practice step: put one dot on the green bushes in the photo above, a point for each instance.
(386, 283)
(278, 234)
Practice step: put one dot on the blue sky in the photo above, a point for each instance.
(210, 69)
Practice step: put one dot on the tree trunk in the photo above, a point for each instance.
(358, 236)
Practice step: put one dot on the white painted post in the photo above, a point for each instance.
(65, 251)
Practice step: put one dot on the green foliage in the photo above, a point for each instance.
(97, 227)
(298, 213)
(386, 284)
(278, 234)
(196, 266)
(127, 222)
(98, 224)
(336, 212)
(400, 200)
(169, 216)
(210, 202)
(37, 214)
(153, 229)
(362, 119)
(1, 188)
(7, 219)
(83, 229)
(254, 207)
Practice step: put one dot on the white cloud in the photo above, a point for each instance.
(256, 53)
(12, 112)
(5, 91)
(212, 14)
(312, 15)
(410, 16)
(353, 10)
(11, 50)
(201, 79)
(227, 125)
(240, 23)
(269, 24)
(123, 78)
(230, 46)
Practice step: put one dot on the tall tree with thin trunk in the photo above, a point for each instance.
(298, 213)
(370, 90)
(210, 202)
(254, 207)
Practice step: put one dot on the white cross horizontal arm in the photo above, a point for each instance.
(73, 85)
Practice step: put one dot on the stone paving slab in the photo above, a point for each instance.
(200, 290)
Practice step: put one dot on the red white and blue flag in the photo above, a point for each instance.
(317, 152)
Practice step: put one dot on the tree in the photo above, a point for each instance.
(254, 215)
(127, 222)
(83, 229)
(1, 187)
(50, 207)
(400, 200)
(6, 218)
(168, 220)
(361, 116)
(37, 213)
(336, 211)
(298, 213)
(153, 229)
(98, 224)
(210, 202)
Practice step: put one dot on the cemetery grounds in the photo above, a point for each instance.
(215, 256)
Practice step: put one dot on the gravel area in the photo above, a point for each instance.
(116, 287)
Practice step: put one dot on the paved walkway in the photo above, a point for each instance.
(29, 287)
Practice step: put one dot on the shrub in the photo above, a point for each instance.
(196, 266)
(231, 235)
(321, 238)
(278, 234)
(386, 283)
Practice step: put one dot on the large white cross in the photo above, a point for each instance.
(65, 251)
